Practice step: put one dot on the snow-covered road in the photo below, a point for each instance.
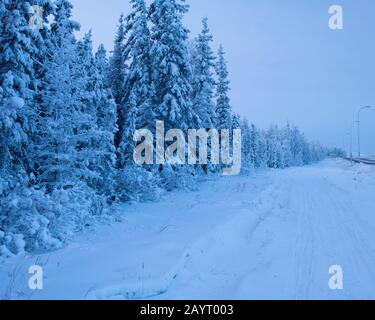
(272, 235)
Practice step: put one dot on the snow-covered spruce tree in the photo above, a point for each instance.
(106, 113)
(65, 138)
(316, 151)
(102, 64)
(203, 78)
(24, 48)
(98, 130)
(107, 110)
(137, 88)
(306, 152)
(117, 66)
(18, 79)
(257, 148)
(116, 75)
(223, 108)
(261, 152)
(296, 146)
(247, 163)
(202, 59)
(43, 40)
(172, 79)
(56, 147)
(273, 147)
(287, 157)
(236, 121)
(172, 74)
(127, 145)
(236, 124)
(17, 112)
(252, 148)
(132, 182)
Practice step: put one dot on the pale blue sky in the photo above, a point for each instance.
(285, 63)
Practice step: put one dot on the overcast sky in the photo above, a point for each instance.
(285, 63)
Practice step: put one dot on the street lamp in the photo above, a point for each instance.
(359, 138)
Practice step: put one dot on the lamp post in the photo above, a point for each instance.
(359, 131)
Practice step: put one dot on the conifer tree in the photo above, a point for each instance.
(116, 76)
(246, 144)
(18, 80)
(223, 108)
(203, 82)
(172, 74)
(59, 159)
(138, 90)
(102, 64)
(99, 113)
(236, 121)
(117, 63)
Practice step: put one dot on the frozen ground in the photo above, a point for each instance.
(271, 235)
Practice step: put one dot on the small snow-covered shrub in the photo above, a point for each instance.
(178, 177)
(32, 220)
(137, 184)
(25, 217)
(78, 208)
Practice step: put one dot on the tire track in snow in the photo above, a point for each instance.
(329, 233)
(359, 244)
(189, 268)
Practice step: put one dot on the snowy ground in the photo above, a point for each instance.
(270, 235)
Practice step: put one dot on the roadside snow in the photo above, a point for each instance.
(270, 235)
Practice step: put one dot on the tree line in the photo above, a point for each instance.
(68, 116)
